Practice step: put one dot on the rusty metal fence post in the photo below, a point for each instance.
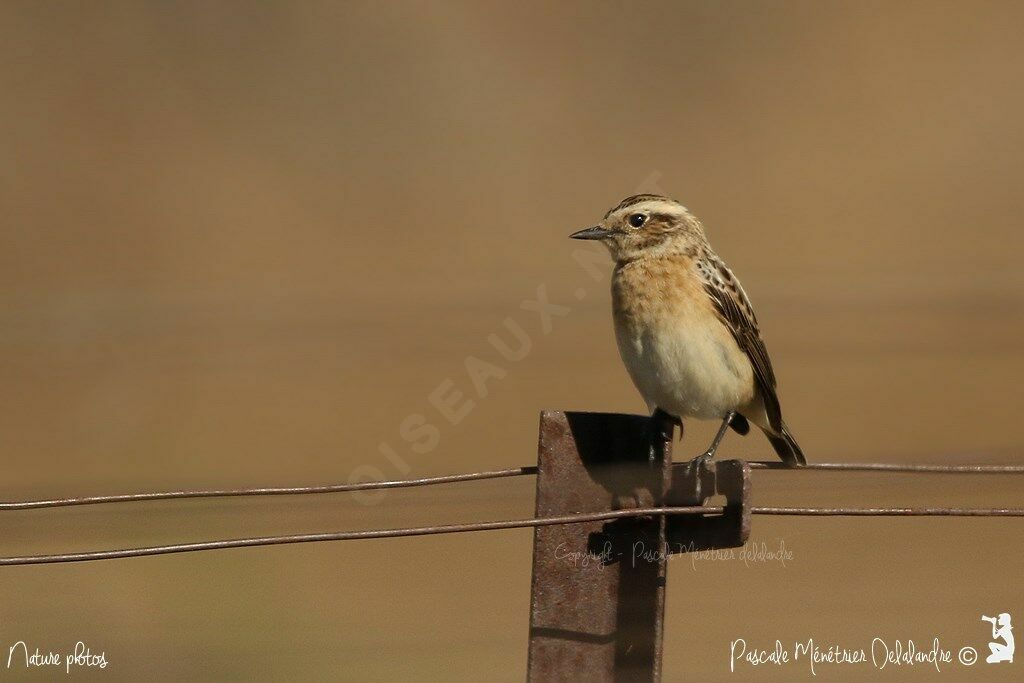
(593, 611)
(598, 590)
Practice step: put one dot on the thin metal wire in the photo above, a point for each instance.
(492, 526)
(891, 512)
(272, 491)
(354, 535)
(473, 476)
(889, 467)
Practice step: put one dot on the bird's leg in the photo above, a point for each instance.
(703, 459)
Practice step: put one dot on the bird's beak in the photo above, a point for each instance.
(594, 233)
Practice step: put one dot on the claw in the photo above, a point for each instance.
(701, 473)
(666, 431)
(700, 462)
(662, 417)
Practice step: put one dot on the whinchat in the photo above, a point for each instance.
(685, 328)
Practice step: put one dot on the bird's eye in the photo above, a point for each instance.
(637, 219)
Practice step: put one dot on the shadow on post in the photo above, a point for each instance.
(598, 589)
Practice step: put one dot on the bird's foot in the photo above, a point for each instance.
(664, 422)
(660, 431)
(700, 463)
(699, 469)
(701, 475)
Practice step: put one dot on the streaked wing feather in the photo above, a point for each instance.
(735, 310)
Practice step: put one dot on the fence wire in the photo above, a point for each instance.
(475, 476)
(493, 525)
(498, 525)
(265, 491)
(889, 467)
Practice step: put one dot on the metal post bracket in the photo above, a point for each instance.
(696, 484)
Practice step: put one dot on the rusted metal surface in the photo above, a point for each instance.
(598, 596)
(693, 486)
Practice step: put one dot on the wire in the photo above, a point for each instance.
(491, 526)
(889, 467)
(891, 512)
(271, 491)
(354, 535)
(472, 476)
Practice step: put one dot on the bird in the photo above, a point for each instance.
(684, 326)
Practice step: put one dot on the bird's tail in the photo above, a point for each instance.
(787, 448)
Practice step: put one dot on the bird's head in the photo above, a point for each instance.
(646, 225)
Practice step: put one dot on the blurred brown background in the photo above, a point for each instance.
(243, 242)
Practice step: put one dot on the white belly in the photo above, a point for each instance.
(687, 370)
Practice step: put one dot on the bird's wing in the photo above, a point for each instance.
(735, 311)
